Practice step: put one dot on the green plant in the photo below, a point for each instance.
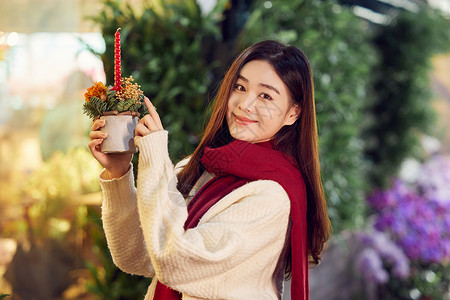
(163, 48)
(50, 205)
(2, 296)
(427, 281)
(337, 44)
(401, 110)
(52, 187)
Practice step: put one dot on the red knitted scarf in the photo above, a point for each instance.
(236, 164)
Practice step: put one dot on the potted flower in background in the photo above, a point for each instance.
(120, 105)
(415, 213)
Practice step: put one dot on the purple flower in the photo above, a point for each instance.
(435, 178)
(377, 248)
(369, 264)
(418, 215)
(384, 221)
(380, 199)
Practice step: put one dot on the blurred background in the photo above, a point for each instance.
(382, 87)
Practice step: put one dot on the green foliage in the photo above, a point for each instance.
(401, 110)
(129, 104)
(108, 282)
(2, 296)
(111, 99)
(337, 45)
(63, 176)
(95, 107)
(427, 281)
(163, 48)
(59, 180)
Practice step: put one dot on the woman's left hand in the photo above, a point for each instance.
(149, 123)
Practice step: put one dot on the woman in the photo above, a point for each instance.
(246, 208)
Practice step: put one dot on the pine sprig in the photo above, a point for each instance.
(94, 107)
(143, 110)
(126, 104)
(111, 100)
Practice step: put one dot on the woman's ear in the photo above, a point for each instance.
(293, 114)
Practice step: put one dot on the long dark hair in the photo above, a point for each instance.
(299, 140)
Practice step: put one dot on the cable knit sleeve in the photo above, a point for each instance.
(122, 226)
(233, 251)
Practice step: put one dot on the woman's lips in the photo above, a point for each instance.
(243, 120)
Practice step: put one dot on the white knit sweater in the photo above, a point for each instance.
(233, 253)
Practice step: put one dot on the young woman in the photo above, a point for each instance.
(246, 208)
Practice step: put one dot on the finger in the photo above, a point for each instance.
(153, 113)
(97, 135)
(141, 130)
(94, 143)
(93, 146)
(148, 103)
(97, 124)
(150, 123)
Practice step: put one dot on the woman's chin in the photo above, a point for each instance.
(243, 137)
(239, 136)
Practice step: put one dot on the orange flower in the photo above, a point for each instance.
(97, 90)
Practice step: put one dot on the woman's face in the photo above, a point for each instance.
(259, 104)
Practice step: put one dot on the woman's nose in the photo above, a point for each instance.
(247, 103)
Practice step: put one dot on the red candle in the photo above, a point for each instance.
(117, 71)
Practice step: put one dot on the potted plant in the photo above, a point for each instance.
(121, 111)
(121, 106)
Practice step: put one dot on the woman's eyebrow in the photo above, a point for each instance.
(261, 84)
(242, 77)
(270, 87)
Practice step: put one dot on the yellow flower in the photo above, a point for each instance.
(129, 90)
(97, 90)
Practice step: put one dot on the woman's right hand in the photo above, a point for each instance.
(117, 164)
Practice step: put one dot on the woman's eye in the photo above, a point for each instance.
(266, 96)
(239, 87)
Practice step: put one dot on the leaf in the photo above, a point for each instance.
(126, 105)
(94, 107)
(111, 100)
(143, 110)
